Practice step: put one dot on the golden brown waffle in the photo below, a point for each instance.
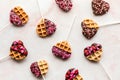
(64, 45)
(43, 65)
(41, 28)
(23, 16)
(90, 23)
(95, 56)
(16, 55)
(78, 77)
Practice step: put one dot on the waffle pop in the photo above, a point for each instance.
(18, 50)
(18, 16)
(45, 28)
(65, 5)
(89, 27)
(39, 68)
(93, 52)
(100, 7)
(73, 74)
(62, 50)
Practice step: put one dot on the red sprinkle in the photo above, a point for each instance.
(35, 69)
(18, 46)
(65, 5)
(71, 73)
(92, 49)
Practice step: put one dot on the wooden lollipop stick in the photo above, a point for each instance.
(110, 24)
(39, 8)
(4, 27)
(43, 77)
(108, 76)
(4, 58)
(71, 28)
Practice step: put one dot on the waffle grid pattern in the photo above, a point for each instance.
(90, 23)
(64, 45)
(20, 12)
(78, 77)
(43, 65)
(16, 55)
(95, 56)
(41, 28)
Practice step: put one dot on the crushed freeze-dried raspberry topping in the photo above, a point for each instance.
(35, 69)
(71, 73)
(50, 27)
(92, 49)
(18, 46)
(60, 53)
(15, 19)
(65, 5)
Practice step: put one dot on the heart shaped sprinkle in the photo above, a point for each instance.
(18, 17)
(39, 68)
(62, 50)
(73, 74)
(65, 5)
(100, 7)
(18, 50)
(89, 27)
(45, 28)
(93, 52)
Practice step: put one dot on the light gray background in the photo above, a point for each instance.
(41, 48)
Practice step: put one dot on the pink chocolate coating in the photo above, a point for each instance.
(65, 5)
(15, 19)
(18, 46)
(60, 53)
(35, 69)
(92, 49)
(50, 27)
(71, 73)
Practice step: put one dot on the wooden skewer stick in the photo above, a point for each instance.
(4, 27)
(108, 76)
(110, 24)
(4, 58)
(71, 28)
(43, 77)
(39, 8)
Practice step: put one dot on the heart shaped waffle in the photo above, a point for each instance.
(18, 50)
(89, 27)
(100, 7)
(39, 68)
(45, 28)
(18, 16)
(93, 52)
(62, 50)
(73, 74)
(65, 5)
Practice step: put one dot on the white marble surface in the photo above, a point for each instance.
(41, 48)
